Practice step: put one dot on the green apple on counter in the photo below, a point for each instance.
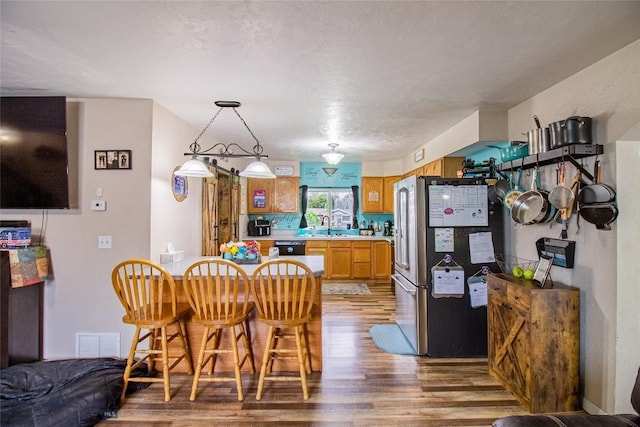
(517, 271)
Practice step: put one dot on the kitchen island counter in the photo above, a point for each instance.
(257, 331)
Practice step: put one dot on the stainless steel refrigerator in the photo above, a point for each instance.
(446, 232)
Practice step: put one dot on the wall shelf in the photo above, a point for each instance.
(570, 153)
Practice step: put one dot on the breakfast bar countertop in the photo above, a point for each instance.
(259, 331)
(177, 269)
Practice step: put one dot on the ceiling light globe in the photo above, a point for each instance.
(333, 158)
(194, 168)
(257, 169)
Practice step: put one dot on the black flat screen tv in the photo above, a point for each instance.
(34, 169)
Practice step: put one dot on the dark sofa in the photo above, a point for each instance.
(578, 420)
(72, 392)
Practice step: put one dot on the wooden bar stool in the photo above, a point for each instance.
(283, 290)
(148, 294)
(218, 292)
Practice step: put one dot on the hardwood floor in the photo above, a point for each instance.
(360, 385)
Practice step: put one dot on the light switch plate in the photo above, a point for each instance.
(98, 205)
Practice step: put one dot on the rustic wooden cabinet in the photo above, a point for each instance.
(372, 194)
(361, 257)
(534, 342)
(279, 195)
(387, 193)
(381, 260)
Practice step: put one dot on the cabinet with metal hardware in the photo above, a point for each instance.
(534, 342)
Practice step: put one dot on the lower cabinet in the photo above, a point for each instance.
(534, 342)
(319, 247)
(340, 260)
(353, 259)
(381, 260)
(361, 256)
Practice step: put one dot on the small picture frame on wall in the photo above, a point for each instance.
(112, 159)
(179, 186)
(418, 155)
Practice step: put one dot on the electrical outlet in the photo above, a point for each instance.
(104, 242)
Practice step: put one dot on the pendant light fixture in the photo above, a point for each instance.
(333, 157)
(198, 165)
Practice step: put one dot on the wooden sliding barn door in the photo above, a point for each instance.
(220, 210)
(210, 233)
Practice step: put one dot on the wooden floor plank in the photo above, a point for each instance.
(359, 386)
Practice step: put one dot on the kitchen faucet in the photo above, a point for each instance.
(328, 218)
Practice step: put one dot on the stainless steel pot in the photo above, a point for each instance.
(538, 140)
(577, 130)
(573, 130)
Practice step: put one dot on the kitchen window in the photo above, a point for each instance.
(330, 207)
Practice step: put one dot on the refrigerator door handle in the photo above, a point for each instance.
(411, 290)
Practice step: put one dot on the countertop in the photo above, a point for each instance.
(323, 237)
(177, 269)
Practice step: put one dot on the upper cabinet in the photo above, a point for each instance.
(372, 194)
(279, 195)
(387, 199)
(444, 167)
(287, 190)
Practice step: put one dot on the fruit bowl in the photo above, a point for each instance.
(508, 262)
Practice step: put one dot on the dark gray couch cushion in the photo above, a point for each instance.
(578, 420)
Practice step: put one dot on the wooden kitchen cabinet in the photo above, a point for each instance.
(444, 167)
(264, 246)
(372, 194)
(287, 190)
(534, 342)
(320, 247)
(361, 257)
(259, 195)
(381, 260)
(387, 192)
(279, 195)
(340, 260)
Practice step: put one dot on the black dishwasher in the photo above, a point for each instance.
(290, 247)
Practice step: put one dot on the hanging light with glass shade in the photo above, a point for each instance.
(198, 165)
(333, 157)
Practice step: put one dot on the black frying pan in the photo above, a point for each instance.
(602, 215)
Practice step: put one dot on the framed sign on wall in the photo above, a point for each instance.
(179, 185)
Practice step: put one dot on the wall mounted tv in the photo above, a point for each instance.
(34, 170)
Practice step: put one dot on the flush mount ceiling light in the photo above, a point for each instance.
(198, 165)
(333, 157)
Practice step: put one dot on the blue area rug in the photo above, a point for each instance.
(390, 339)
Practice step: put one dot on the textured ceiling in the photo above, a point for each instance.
(379, 78)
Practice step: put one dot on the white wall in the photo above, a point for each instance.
(628, 267)
(609, 92)
(80, 297)
(171, 221)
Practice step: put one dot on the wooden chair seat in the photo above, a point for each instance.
(218, 293)
(148, 294)
(283, 290)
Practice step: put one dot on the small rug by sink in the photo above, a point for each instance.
(390, 339)
(345, 289)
